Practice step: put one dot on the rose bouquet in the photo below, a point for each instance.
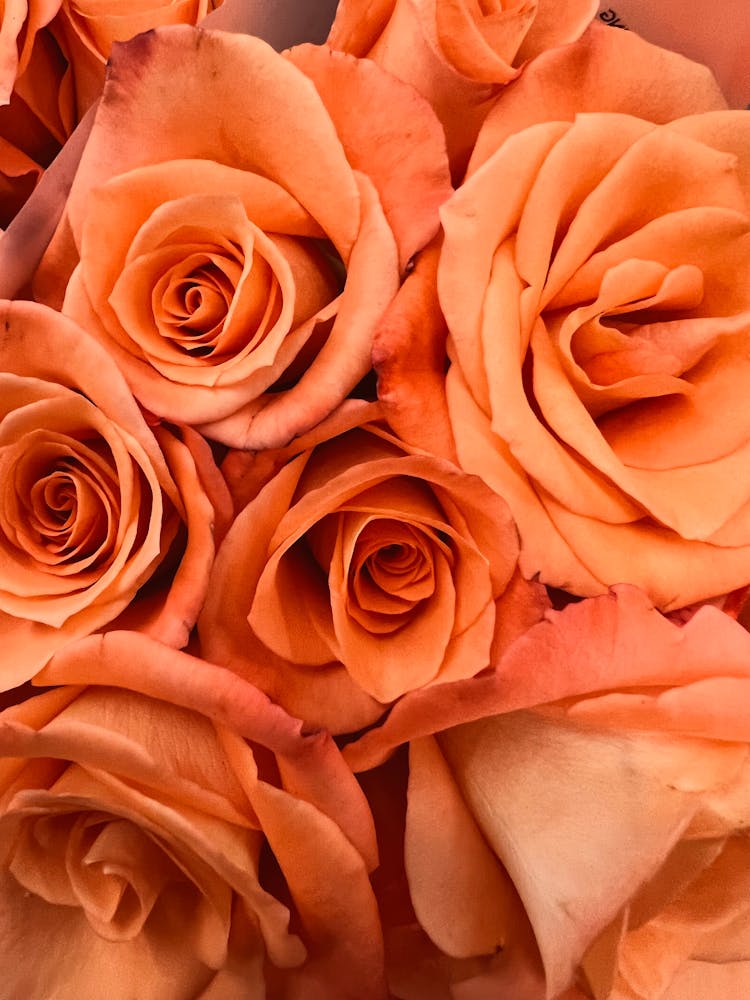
(374, 502)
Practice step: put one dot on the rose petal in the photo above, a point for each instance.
(399, 145)
(604, 70)
(645, 783)
(452, 871)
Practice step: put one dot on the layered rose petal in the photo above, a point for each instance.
(409, 357)
(36, 107)
(124, 844)
(457, 53)
(607, 725)
(409, 171)
(599, 318)
(18, 29)
(201, 308)
(394, 566)
(604, 70)
(90, 505)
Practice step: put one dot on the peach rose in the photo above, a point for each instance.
(604, 770)
(169, 833)
(409, 351)
(362, 569)
(457, 53)
(593, 282)
(234, 281)
(93, 502)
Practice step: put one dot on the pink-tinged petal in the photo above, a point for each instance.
(137, 662)
(522, 604)
(626, 644)
(238, 135)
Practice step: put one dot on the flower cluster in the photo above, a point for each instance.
(374, 505)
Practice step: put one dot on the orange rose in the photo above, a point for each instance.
(362, 570)
(409, 353)
(457, 53)
(36, 109)
(93, 502)
(233, 280)
(143, 837)
(604, 769)
(599, 326)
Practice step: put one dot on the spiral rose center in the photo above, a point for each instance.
(196, 305)
(203, 289)
(104, 864)
(64, 505)
(68, 510)
(391, 572)
(192, 299)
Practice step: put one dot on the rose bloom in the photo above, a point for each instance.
(599, 779)
(457, 53)
(524, 403)
(167, 832)
(93, 501)
(236, 283)
(599, 324)
(361, 570)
